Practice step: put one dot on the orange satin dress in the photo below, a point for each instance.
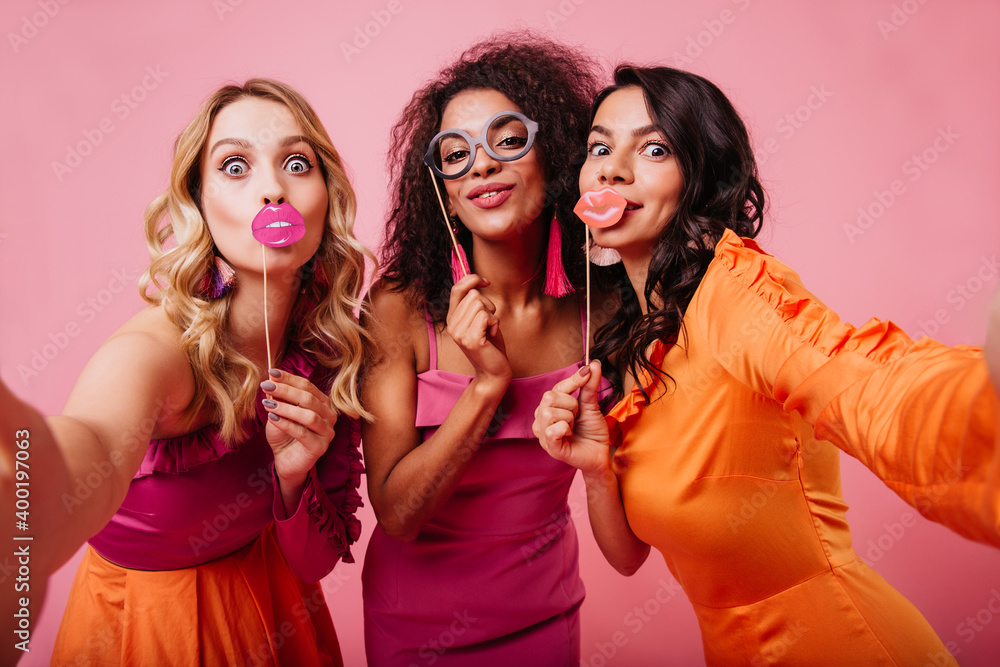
(733, 473)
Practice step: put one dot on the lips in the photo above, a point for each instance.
(600, 208)
(490, 195)
(278, 226)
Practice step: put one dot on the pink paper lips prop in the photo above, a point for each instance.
(278, 226)
(600, 208)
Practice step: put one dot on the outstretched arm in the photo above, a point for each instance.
(71, 472)
(79, 464)
(922, 416)
(574, 431)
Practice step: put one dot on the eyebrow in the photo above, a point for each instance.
(637, 132)
(505, 121)
(247, 146)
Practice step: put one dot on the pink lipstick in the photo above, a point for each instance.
(490, 195)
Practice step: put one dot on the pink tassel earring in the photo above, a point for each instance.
(459, 261)
(220, 279)
(556, 281)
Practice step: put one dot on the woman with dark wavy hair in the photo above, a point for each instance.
(474, 560)
(737, 387)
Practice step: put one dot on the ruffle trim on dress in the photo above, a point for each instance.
(635, 401)
(178, 455)
(340, 525)
(806, 317)
(330, 496)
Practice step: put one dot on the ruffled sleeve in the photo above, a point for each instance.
(324, 526)
(177, 456)
(922, 416)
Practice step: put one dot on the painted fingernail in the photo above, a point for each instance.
(274, 372)
(273, 417)
(268, 386)
(584, 371)
(268, 403)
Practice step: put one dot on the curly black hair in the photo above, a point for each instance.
(552, 84)
(721, 190)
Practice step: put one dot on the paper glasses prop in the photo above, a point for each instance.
(506, 136)
(276, 226)
(598, 209)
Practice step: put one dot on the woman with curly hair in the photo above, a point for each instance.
(212, 501)
(737, 388)
(474, 560)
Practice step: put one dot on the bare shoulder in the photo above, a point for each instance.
(154, 322)
(142, 365)
(152, 335)
(398, 326)
(393, 307)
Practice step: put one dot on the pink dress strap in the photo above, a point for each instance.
(432, 341)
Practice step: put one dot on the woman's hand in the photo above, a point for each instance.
(475, 328)
(299, 429)
(572, 429)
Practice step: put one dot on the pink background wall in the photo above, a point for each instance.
(887, 107)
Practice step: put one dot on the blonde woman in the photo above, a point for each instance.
(228, 487)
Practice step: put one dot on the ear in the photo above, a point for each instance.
(447, 201)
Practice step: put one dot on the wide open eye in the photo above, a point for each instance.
(597, 149)
(234, 166)
(297, 164)
(655, 149)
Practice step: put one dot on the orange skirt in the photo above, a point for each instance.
(247, 608)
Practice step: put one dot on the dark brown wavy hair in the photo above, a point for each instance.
(721, 190)
(552, 84)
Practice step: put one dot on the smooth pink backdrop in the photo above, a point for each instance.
(840, 98)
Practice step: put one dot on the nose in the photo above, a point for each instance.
(484, 164)
(615, 168)
(272, 191)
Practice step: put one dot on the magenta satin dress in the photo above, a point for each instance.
(493, 578)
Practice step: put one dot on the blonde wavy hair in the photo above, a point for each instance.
(323, 320)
